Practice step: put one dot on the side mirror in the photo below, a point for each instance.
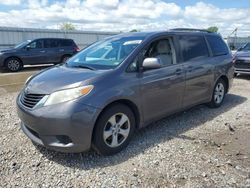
(151, 63)
(27, 47)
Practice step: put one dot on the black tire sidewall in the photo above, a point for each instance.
(98, 142)
(7, 62)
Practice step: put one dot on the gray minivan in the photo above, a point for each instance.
(102, 94)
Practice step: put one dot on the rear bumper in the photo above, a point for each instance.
(65, 127)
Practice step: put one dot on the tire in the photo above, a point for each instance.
(65, 58)
(111, 135)
(13, 64)
(218, 94)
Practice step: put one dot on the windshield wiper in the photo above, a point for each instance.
(84, 67)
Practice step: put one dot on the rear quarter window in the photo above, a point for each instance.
(193, 47)
(65, 43)
(217, 45)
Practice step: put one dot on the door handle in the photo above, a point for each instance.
(42, 51)
(178, 71)
(61, 50)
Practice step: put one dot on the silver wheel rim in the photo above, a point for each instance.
(116, 130)
(219, 93)
(13, 65)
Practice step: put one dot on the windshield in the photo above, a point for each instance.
(106, 54)
(22, 44)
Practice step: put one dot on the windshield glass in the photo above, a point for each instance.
(106, 54)
(22, 44)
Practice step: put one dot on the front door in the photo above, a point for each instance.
(162, 89)
(35, 54)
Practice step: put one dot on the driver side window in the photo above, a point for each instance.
(36, 44)
(162, 49)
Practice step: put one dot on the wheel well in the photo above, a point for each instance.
(129, 104)
(5, 61)
(225, 79)
(66, 55)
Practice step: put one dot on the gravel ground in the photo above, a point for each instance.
(201, 147)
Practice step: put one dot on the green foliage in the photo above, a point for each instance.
(213, 29)
(67, 26)
(134, 30)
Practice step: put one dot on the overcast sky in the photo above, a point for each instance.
(125, 15)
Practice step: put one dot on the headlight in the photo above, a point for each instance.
(68, 94)
(28, 80)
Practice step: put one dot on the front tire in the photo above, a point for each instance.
(218, 94)
(113, 130)
(13, 64)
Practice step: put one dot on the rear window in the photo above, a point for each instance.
(218, 46)
(193, 47)
(66, 43)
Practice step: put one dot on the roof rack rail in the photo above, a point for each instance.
(190, 29)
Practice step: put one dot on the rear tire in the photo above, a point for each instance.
(65, 58)
(113, 130)
(218, 94)
(13, 64)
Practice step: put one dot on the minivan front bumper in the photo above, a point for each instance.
(65, 127)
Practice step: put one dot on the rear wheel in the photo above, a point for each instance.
(113, 130)
(65, 58)
(13, 64)
(218, 94)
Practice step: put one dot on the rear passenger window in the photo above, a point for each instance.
(51, 43)
(193, 47)
(66, 43)
(218, 46)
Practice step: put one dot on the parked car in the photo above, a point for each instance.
(38, 51)
(242, 60)
(102, 94)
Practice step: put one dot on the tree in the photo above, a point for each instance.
(67, 26)
(134, 30)
(213, 29)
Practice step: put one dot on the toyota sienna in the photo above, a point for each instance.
(101, 95)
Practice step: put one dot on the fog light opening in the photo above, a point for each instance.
(63, 139)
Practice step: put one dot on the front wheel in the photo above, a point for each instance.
(13, 64)
(218, 94)
(113, 130)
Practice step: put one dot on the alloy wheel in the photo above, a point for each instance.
(116, 130)
(219, 93)
(13, 65)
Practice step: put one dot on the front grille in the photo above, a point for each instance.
(30, 100)
(241, 64)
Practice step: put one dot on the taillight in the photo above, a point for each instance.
(76, 49)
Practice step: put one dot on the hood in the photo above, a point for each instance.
(241, 54)
(9, 50)
(61, 77)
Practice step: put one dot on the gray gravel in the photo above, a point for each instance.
(201, 147)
